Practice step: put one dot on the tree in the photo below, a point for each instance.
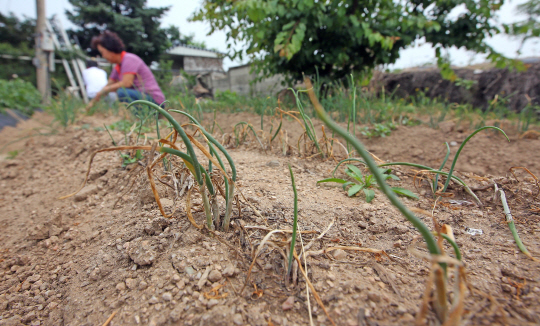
(178, 39)
(530, 26)
(17, 38)
(137, 25)
(17, 33)
(338, 37)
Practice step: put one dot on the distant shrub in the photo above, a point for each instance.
(20, 95)
(227, 96)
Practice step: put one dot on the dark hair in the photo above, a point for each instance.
(110, 41)
(91, 63)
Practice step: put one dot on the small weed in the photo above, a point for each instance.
(12, 154)
(466, 83)
(227, 97)
(358, 182)
(127, 159)
(379, 130)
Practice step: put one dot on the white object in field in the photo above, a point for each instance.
(473, 232)
(94, 79)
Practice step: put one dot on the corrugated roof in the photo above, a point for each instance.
(192, 51)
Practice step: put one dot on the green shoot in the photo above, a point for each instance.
(295, 221)
(229, 189)
(461, 147)
(432, 246)
(436, 181)
(420, 226)
(277, 131)
(512, 225)
(238, 135)
(352, 114)
(430, 170)
(112, 139)
(191, 152)
(308, 125)
(454, 245)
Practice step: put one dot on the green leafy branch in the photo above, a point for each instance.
(289, 41)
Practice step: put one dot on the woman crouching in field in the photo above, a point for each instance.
(130, 78)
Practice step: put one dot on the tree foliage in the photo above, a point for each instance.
(16, 38)
(137, 25)
(341, 36)
(530, 26)
(16, 32)
(185, 39)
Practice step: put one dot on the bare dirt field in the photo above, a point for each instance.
(109, 250)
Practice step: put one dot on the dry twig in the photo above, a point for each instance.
(110, 318)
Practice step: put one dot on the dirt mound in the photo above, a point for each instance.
(525, 86)
(77, 261)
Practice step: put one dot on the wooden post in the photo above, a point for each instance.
(41, 60)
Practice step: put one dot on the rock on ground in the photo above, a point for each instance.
(142, 252)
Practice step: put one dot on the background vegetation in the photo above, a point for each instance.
(339, 37)
(138, 25)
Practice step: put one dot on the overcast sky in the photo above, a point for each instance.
(182, 9)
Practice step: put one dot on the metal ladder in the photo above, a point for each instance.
(61, 42)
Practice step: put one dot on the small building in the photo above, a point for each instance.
(194, 60)
(241, 80)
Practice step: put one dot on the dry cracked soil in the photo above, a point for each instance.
(109, 250)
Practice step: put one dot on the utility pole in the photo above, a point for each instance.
(43, 47)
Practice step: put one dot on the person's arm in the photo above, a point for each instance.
(113, 85)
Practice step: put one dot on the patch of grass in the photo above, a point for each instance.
(19, 95)
(12, 154)
(104, 106)
(127, 125)
(65, 108)
(527, 117)
(379, 130)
